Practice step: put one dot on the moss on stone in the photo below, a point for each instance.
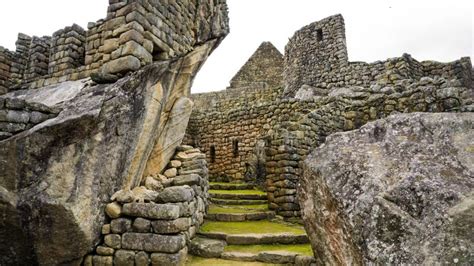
(198, 261)
(251, 227)
(303, 249)
(226, 184)
(238, 192)
(216, 209)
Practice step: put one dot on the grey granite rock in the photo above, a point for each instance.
(397, 191)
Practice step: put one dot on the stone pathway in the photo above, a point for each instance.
(240, 227)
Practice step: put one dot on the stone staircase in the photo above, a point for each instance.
(240, 227)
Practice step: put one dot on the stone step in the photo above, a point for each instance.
(238, 194)
(240, 217)
(229, 186)
(198, 261)
(238, 202)
(299, 254)
(254, 232)
(273, 257)
(239, 213)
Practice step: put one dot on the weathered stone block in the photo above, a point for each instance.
(137, 50)
(170, 173)
(124, 258)
(161, 259)
(176, 194)
(120, 225)
(152, 210)
(113, 210)
(171, 227)
(122, 65)
(105, 251)
(38, 117)
(113, 241)
(153, 242)
(141, 225)
(189, 180)
(105, 229)
(17, 117)
(103, 260)
(142, 259)
(207, 248)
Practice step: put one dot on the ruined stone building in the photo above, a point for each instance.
(95, 170)
(262, 127)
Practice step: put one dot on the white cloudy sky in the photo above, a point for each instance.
(375, 29)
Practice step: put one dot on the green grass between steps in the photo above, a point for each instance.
(198, 261)
(226, 184)
(238, 192)
(216, 209)
(303, 249)
(251, 227)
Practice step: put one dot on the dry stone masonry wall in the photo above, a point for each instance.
(5, 72)
(17, 115)
(242, 129)
(328, 66)
(134, 33)
(154, 223)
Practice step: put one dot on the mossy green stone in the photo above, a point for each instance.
(302, 249)
(238, 192)
(197, 261)
(251, 227)
(216, 209)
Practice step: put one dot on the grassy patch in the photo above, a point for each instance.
(226, 184)
(216, 209)
(303, 249)
(198, 261)
(251, 227)
(238, 192)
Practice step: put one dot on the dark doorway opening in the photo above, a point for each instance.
(213, 153)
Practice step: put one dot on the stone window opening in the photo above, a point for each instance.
(235, 147)
(213, 153)
(319, 35)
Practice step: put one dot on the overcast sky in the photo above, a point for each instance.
(438, 30)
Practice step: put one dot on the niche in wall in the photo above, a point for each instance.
(213, 153)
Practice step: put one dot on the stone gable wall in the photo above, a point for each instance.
(264, 67)
(134, 34)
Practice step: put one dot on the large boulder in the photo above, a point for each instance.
(57, 176)
(396, 191)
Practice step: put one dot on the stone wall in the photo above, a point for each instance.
(38, 58)
(20, 58)
(226, 128)
(5, 73)
(67, 50)
(264, 68)
(17, 115)
(153, 224)
(328, 66)
(134, 34)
